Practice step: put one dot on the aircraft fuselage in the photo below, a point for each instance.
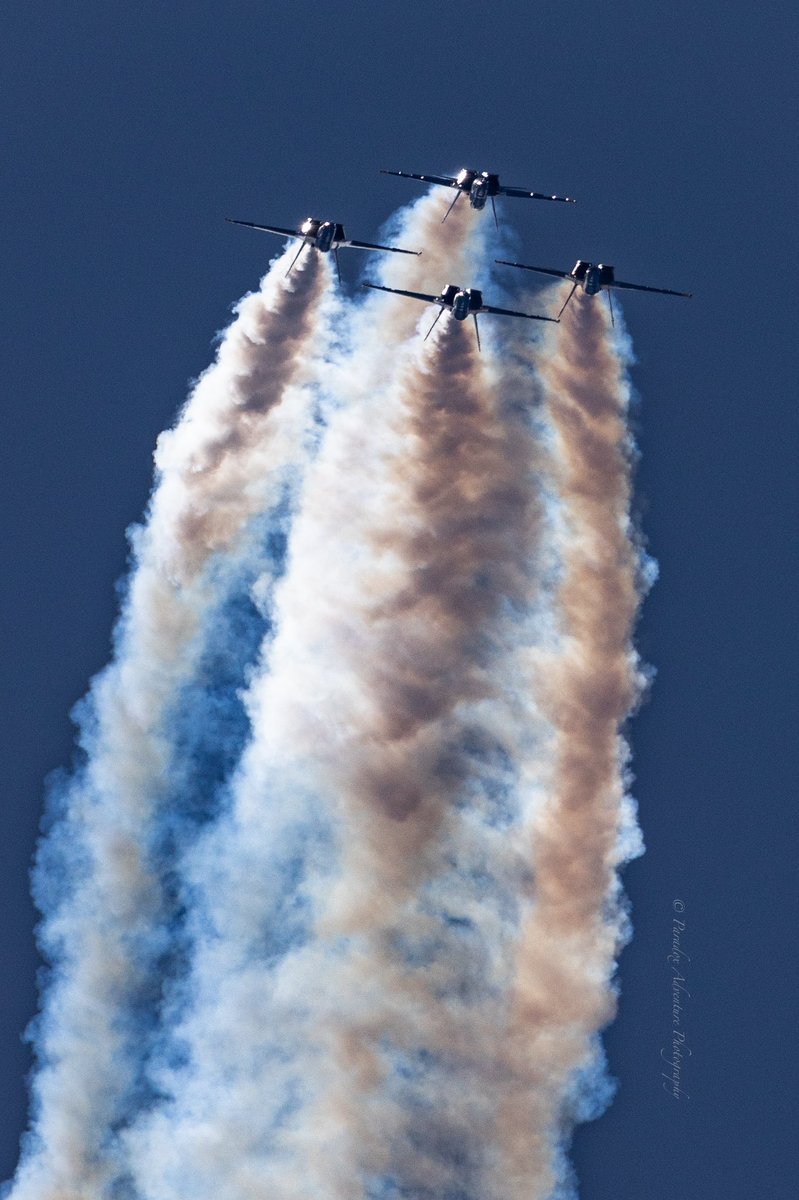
(479, 185)
(478, 193)
(461, 305)
(592, 282)
(592, 277)
(324, 238)
(322, 235)
(461, 301)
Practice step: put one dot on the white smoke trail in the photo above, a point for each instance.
(245, 428)
(403, 918)
(373, 818)
(563, 992)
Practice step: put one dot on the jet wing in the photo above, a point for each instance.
(399, 292)
(267, 228)
(444, 180)
(541, 270)
(525, 195)
(509, 312)
(372, 246)
(639, 287)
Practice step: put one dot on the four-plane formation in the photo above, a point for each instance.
(480, 187)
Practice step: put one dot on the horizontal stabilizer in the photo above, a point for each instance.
(378, 287)
(510, 312)
(443, 180)
(266, 228)
(524, 195)
(639, 287)
(371, 246)
(504, 262)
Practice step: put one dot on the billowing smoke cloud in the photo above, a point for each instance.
(245, 429)
(562, 992)
(337, 906)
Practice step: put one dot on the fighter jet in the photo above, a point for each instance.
(479, 186)
(461, 303)
(322, 236)
(593, 278)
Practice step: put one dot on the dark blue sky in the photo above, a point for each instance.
(131, 131)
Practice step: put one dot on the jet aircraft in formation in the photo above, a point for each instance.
(322, 236)
(479, 186)
(593, 278)
(461, 303)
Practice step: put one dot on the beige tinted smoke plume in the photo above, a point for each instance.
(240, 429)
(460, 540)
(432, 658)
(563, 994)
(388, 696)
(432, 801)
(222, 464)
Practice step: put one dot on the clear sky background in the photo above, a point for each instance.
(131, 130)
